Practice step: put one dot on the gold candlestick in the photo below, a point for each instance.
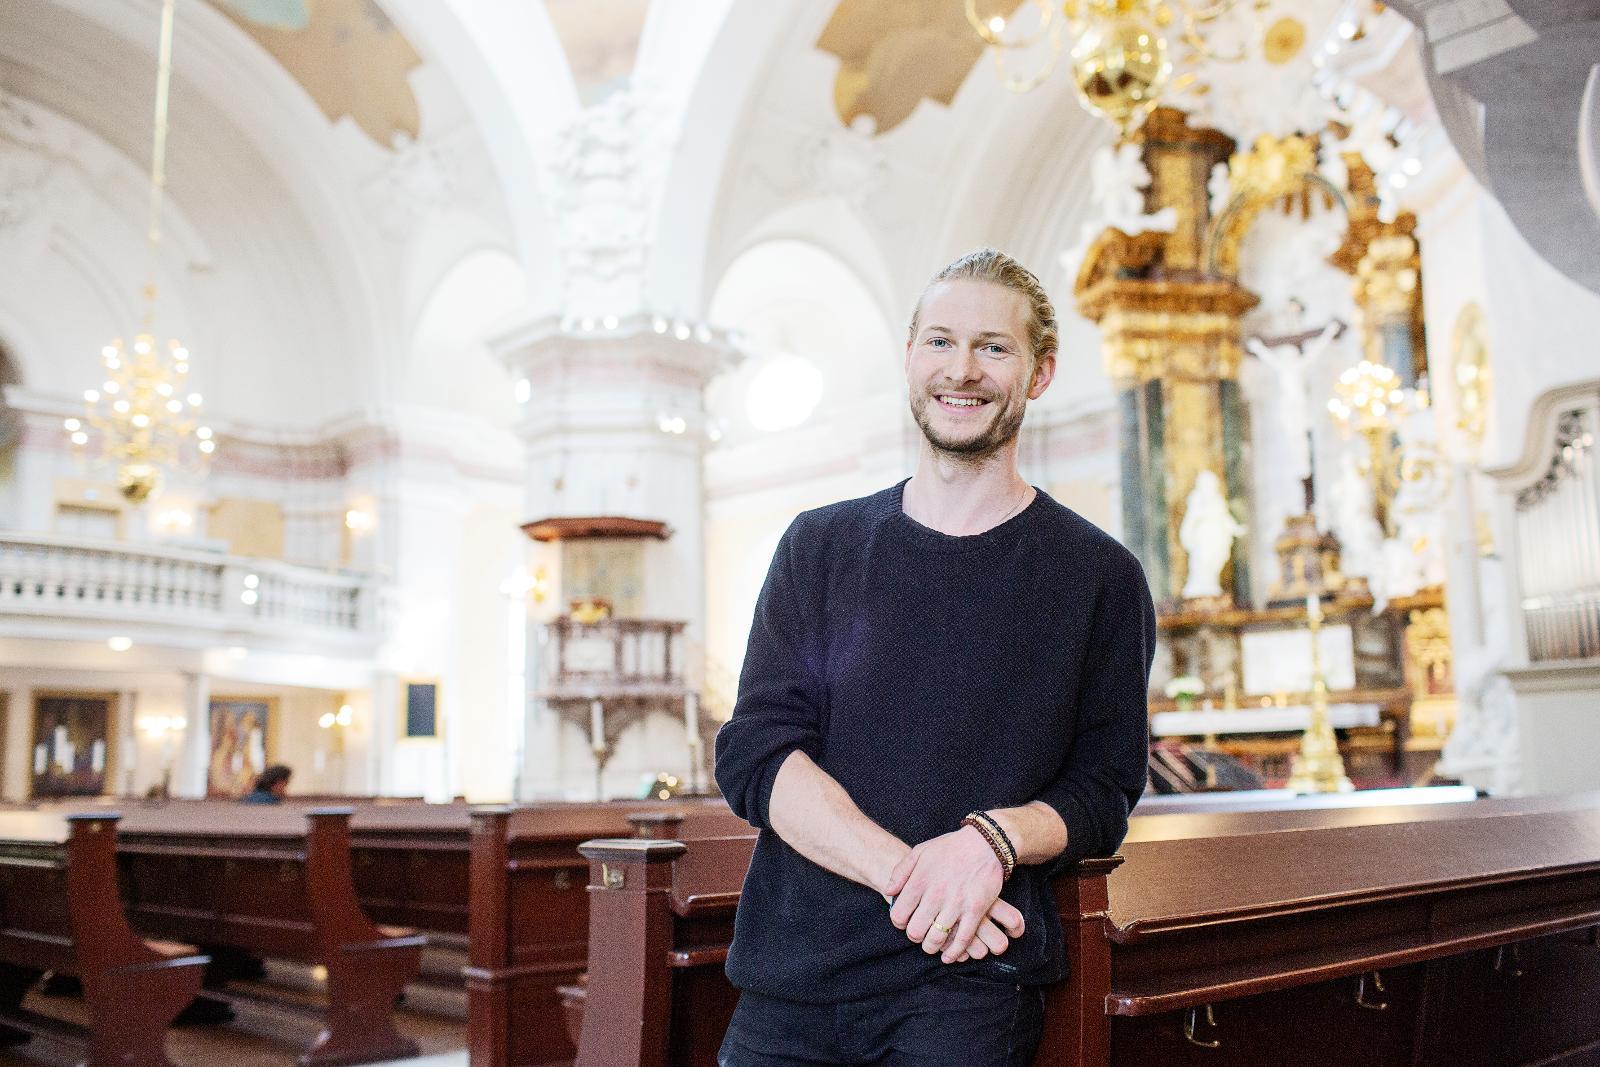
(1318, 768)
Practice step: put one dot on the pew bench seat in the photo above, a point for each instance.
(58, 893)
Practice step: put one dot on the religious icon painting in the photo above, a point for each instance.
(71, 743)
(239, 740)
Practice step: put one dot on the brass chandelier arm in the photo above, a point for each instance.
(991, 36)
(1028, 83)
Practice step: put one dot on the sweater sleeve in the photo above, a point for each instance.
(1105, 769)
(781, 697)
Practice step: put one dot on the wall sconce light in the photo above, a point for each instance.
(119, 644)
(535, 586)
(343, 717)
(161, 725)
(175, 521)
(359, 520)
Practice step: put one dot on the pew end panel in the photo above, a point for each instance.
(1076, 1028)
(629, 985)
(62, 912)
(368, 965)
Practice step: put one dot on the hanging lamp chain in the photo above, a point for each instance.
(158, 152)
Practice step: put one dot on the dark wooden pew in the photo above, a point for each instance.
(58, 899)
(530, 921)
(1464, 934)
(274, 882)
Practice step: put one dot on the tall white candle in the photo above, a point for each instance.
(597, 725)
(691, 717)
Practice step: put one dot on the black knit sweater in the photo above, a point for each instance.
(932, 675)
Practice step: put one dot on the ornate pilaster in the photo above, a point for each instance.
(1171, 343)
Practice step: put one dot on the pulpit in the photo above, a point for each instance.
(605, 675)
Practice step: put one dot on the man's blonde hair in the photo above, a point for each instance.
(993, 265)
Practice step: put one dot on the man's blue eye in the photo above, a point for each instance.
(937, 341)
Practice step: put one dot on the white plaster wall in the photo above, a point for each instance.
(1544, 331)
(137, 755)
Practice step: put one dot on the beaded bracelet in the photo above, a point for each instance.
(997, 839)
(1005, 839)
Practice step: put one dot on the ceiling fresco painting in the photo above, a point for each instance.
(601, 39)
(892, 56)
(346, 53)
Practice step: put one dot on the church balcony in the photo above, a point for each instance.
(69, 587)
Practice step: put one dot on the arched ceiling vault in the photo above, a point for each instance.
(247, 165)
(991, 166)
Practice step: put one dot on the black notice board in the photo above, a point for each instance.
(422, 709)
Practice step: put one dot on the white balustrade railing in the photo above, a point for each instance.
(78, 578)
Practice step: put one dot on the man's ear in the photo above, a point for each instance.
(1044, 372)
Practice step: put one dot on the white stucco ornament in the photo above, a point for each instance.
(1119, 178)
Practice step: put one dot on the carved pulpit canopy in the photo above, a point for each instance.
(579, 528)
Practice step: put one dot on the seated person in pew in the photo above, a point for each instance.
(271, 786)
(942, 705)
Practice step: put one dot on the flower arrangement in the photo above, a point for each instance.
(1185, 689)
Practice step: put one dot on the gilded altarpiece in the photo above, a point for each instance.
(1170, 310)
(1171, 344)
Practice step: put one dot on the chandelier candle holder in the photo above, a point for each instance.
(1123, 52)
(144, 414)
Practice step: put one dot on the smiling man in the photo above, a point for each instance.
(942, 705)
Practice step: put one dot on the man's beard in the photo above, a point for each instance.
(1002, 430)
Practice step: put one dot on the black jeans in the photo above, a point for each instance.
(954, 1019)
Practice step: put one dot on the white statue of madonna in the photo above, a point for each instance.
(1207, 533)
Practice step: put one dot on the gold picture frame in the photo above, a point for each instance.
(269, 741)
(78, 780)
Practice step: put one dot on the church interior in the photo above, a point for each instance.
(413, 393)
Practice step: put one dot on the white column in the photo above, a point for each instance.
(385, 732)
(615, 426)
(19, 743)
(540, 772)
(194, 760)
(123, 759)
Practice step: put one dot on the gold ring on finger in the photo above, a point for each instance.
(943, 929)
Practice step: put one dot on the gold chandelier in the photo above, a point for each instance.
(1369, 401)
(1121, 53)
(143, 413)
